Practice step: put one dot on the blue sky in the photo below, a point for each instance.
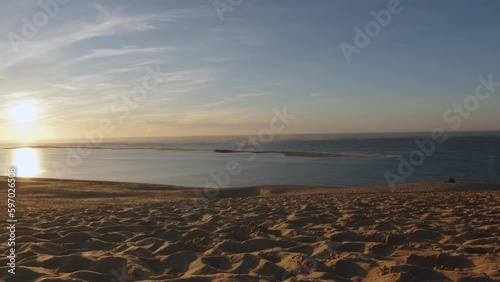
(224, 77)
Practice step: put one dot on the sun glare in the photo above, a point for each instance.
(25, 112)
(26, 161)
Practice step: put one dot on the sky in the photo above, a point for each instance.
(69, 69)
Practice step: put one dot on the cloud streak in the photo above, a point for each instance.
(235, 98)
(127, 50)
(79, 31)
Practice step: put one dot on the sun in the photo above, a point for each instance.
(25, 112)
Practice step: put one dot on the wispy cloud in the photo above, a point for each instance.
(133, 67)
(65, 87)
(187, 80)
(215, 104)
(78, 31)
(215, 59)
(246, 95)
(127, 50)
(20, 94)
(235, 98)
(271, 84)
(213, 119)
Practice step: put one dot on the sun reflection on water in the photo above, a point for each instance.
(26, 162)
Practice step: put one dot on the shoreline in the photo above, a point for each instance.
(376, 188)
(98, 192)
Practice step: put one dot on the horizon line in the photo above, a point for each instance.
(246, 135)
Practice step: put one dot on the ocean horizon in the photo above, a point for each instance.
(338, 160)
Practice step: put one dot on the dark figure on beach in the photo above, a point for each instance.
(451, 180)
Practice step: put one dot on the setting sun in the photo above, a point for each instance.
(24, 113)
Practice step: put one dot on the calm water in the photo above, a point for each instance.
(471, 158)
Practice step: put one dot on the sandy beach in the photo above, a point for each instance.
(104, 231)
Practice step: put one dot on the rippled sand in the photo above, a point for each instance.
(99, 231)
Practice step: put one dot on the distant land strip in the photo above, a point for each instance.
(222, 151)
(308, 154)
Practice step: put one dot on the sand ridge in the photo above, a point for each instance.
(103, 231)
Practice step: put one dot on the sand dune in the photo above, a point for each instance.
(103, 231)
